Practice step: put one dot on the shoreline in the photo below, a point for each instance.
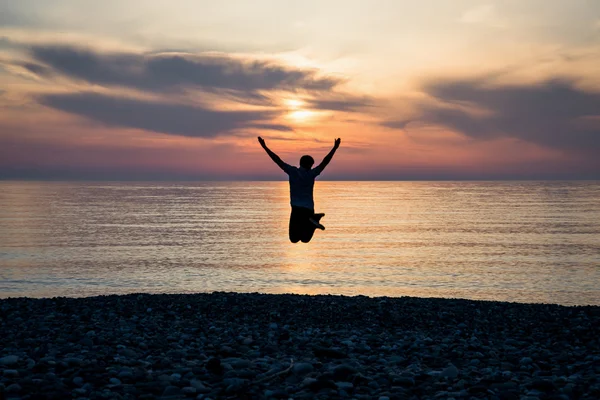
(250, 345)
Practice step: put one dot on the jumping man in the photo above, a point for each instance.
(303, 220)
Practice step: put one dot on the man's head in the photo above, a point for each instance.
(306, 162)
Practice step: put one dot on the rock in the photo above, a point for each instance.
(175, 377)
(11, 373)
(86, 342)
(276, 394)
(125, 374)
(240, 363)
(303, 368)
(450, 372)
(234, 385)
(247, 341)
(9, 360)
(325, 352)
(171, 391)
(78, 381)
(199, 386)
(188, 390)
(344, 372)
(234, 381)
(114, 381)
(273, 325)
(309, 382)
(543, 385)
(14, 388)
(526, 361)
(214, 365)
(73, 361)
(405, 381)
(346, 386)
(129, 353)
(320, 383)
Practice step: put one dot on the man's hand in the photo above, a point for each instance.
(261, 141)
(337, 142)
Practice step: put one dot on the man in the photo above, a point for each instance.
(303, 220)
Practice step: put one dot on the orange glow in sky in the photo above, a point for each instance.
(445, 89)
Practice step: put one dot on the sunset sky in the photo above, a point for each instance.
(180, 89)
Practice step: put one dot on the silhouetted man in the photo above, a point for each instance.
(303, 220)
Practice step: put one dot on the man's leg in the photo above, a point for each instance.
(315, 219)
(295, 226)
(309, 225)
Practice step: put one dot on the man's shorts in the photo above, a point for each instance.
(301, 229)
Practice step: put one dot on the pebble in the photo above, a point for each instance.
(9, 360)
(212, 346)
(14, 388)
(303, 368)
(450, 372)
(188, 390)
(11, 373)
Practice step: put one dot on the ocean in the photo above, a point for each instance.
(532, 242)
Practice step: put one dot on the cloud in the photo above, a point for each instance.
(554, 113)
(484, 14)
(36, 69)
(340, 103)
(173, 72)
(168, 118)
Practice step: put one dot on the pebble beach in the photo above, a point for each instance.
(259, 346)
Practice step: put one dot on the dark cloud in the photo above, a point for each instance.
(175, 72)
(548, 113)
(169, 118)
(36, 69)
(341, 103)
(396, 124)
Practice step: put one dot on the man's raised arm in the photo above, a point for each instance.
(329, 156)
(273, 156)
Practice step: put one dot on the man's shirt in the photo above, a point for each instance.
(302, 182)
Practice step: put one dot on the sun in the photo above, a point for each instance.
(294, 104)
(297, 112)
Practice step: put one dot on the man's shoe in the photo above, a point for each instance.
(318, 216)
(317, 224)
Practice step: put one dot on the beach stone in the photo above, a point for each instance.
(188, 390)
(406, 381)
(10, 373)
(9, 360)
(125, 374)
(450, 372)
(343, 371)
(325, 352)
(346, 386)
(129, 353)
(526, 361)
(78, 381)
(171, 391)
(73, 361)
(114, 381)
(308, 381)
(240, 363)
(14, 388)
(303, 368)
(199, 386)
(276, 394)
(214, 365)
(543, 385)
